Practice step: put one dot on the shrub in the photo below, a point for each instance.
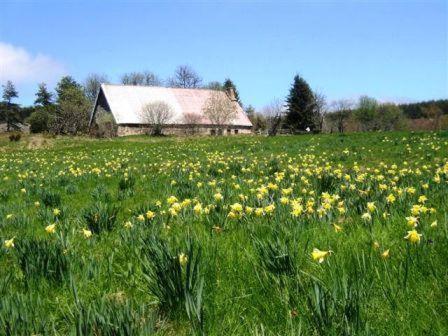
(101, 217)
(14, 137)
(39, 121)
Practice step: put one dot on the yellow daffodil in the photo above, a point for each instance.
(128, 225)
(319, 255)
(236, 207)
(172, 199)
(337, 228)
(56, 212)
(150, 215)
(413, 237)
(366, 216)
(87, 233)
(183, 259)
(390, 198)
(51, 228)
(434, 224)
(422, 199)
(385, 254)
(412, 221)
(197, 209)
(9, 243)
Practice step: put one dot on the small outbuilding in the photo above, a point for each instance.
(126, 102)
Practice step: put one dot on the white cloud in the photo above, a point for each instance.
(19, 66)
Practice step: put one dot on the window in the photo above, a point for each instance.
(229, 131)
(236, 131)
(212, 132)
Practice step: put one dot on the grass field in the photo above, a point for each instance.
(306, 235)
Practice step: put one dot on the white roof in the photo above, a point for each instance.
(126, 103)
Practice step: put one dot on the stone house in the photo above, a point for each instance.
(125, 103)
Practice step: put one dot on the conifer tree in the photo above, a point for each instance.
(300, 106)
(9, 112)
(43, 96)
(229, 84)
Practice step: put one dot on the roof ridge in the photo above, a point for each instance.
(159, 87)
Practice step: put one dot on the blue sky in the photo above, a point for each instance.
(391, 50)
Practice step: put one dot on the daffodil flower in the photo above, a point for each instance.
(413, 237)
(319, 255)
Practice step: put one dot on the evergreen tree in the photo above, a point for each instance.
(229, 84)
(66, 86)
(9, 92)
(10, 112)
(43, 96)
(300, 106)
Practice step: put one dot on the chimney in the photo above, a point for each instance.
(231, 94)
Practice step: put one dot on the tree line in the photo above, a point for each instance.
(67, 110)
(305, 110)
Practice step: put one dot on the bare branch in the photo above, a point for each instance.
(157, 114)
(220, 109)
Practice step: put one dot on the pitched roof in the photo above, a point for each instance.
(126, 103)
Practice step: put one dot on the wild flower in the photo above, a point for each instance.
(9, 243)
(319, 255)
(86, 233)
(50, 228)
(413, 237)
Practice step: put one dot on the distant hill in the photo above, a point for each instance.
(416, 110)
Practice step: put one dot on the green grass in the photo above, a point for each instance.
(240, 265)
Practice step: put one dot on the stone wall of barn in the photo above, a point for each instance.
(124, 130)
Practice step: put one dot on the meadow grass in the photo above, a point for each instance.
(247, 235)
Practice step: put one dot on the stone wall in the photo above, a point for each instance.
(124, 130)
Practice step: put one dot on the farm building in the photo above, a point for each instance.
(126, 102)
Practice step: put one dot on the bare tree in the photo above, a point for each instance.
(185, 77)
(341, 110)
(320, 108)
(220, 110)
(192, 122)
(274, 112)
(92, 85)
(145, 78)
(157, 114)
(434, 113)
